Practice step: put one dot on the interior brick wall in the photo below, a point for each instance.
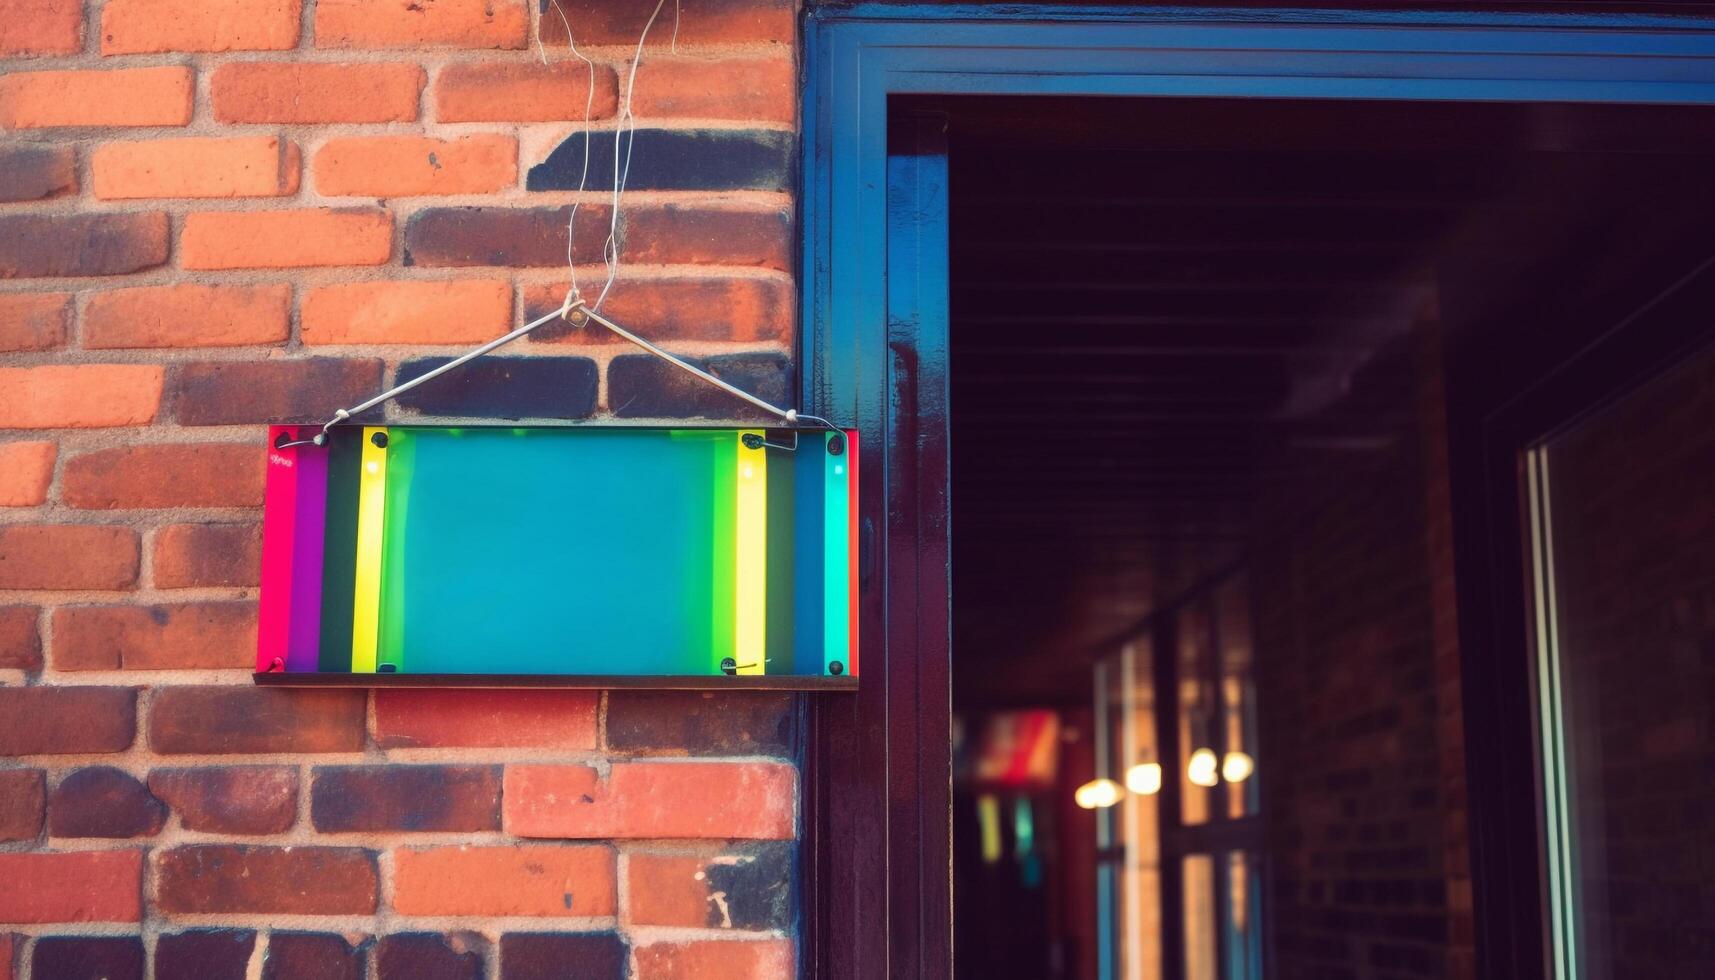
(1360, 717)
(224, 213)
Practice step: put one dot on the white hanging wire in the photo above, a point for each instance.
(589, 111)
(626, 127)
(626, 130)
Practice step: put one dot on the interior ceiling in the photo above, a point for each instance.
(1157, 305)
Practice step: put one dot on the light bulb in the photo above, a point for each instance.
(1237, 767)
(1201, 769)
(1144, 778)
(1098, 793)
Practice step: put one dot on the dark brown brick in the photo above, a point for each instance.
(655, 234)
(204, 954)
(182, 635)
(101, 801)
(432, 956)
(292, 955)
(410, 798)
(88, 958)
(30, 173)
(220, 474)
(214, 878)
(67, 720)
(549, 955)
(191, 555)
(251, 392)
(228, 720)
(700, 722)
(230, 799)
(23, 799)
(20, 638)
(513, 237)
(113, 244)
(67, 556)
(643, 386)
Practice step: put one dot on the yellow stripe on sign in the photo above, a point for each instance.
(750, 534)
(371, 515)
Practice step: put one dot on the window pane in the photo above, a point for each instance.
(1244, 917)
(1623, 539)
(1238, 697)
(1199, 769)
(1201, 931)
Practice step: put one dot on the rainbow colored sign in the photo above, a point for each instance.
(597, 551)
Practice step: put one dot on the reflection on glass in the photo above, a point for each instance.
(1243, 918)
(1238, 696)
(1199, 763)
(1200, 924)
(1623, 550)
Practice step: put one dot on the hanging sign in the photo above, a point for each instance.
(416, 554)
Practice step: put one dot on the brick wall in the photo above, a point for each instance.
(223, 213)
(1360, 714)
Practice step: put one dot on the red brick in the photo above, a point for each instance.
(83, 244)
(103, 801)
(66, 720)
(744, 887)
(402, 166)
(487, 719)
(602, 22)
(240, 392)
(240, 166)
(157, 637)
(149, 26)
(20, 638)
(119, 97)
(33, 321)
(235, 878)
(345, 799)
(187, 315)
(324, 956)
(740, 89)
(220, 474)
(523, 91)
(23, 802)
(68, 556)
(408, 312)
(440, 955)
(33, 172)
(41, 27)
(72, 886)
(286, 239)
(748, 310)
(675, 234)
(410, 24)
(718, 959)
(189, 556)
(653, 799)
(522, 879)
(79, 395)
(314, 92)
(26, 469)
(230, 799)
(248, 720)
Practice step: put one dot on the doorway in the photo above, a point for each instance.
(1207, 708)
(879, 809)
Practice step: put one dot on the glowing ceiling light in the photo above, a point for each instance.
(1202, 768)
(1237, 767)
(1098, 793)
(1144, 778)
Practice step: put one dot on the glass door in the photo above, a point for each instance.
(1621, 508)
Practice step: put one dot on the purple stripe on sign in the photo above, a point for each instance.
(304, 631)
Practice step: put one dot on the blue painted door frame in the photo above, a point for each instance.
(877, 830)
